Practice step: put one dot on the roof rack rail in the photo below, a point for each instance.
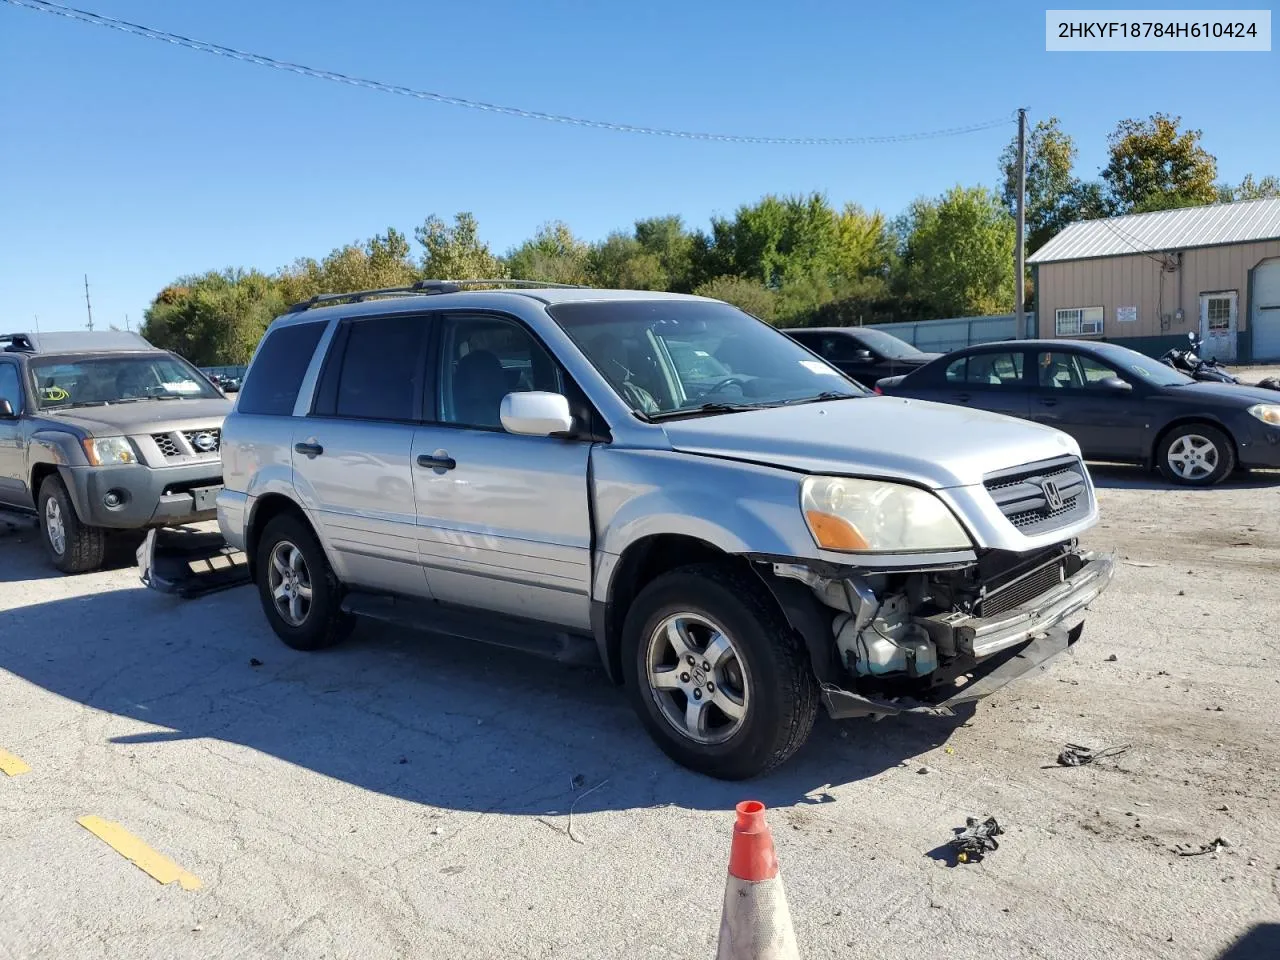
(421, 288)
(17, 343)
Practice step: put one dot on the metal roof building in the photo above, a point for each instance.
(1147, 279)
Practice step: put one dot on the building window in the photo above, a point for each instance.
(1078, 322)
(1218, 311)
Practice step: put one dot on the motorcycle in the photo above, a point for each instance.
(1189, 361)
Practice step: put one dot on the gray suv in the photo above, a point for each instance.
(736, 530)
(101, 432)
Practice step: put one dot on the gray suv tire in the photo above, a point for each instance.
(300, 594)
(74, 547)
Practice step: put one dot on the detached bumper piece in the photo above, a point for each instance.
(190, 563)
(1005, 646)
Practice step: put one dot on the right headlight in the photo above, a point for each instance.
(874, 516)
(1267, 413)
(107, 451)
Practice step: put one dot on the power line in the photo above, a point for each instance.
(84, 16)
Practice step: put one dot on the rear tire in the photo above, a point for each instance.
(1196, 455)
(300, 594)
(72, 546)
(754, 707)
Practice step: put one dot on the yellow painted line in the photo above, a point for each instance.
(131, 848)
(12, 765)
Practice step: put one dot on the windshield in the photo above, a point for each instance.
(81, 381)
(887, 345)
(1143, 367)
(670, 358)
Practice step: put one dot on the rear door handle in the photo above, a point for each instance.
(1047, 402)
(437, 463)
(311, 450)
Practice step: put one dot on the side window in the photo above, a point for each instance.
(840, 349)
(957, 370)
(482, 359)
(1071, 371)
(382, 368)
(9, 389)
(992, 370)
(277, 371)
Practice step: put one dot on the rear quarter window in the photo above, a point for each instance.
(275, 377)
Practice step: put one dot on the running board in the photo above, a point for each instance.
(431, 616)
(190, 563)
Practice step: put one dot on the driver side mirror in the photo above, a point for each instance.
(862, 355)
(1115, 385)
(536, 414)
(6, 410)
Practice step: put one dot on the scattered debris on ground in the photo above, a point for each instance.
(255, 662)
(1112, 659)
(976, 840)
(1218, 843)
(1074, 755)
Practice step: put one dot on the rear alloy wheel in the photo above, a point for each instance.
(715, 673)
(1196, 455)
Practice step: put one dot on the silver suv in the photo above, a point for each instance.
(737, 530)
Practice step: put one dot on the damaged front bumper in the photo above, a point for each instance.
(1001, 648)
(190, 563)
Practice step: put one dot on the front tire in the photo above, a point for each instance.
(715, 673)
(300, 593)
(72, 546)
(1196, 455)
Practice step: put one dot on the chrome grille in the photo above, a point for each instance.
(168, 446)
(215, 435)
(1040, 497)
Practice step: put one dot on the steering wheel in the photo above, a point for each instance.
(721, 384)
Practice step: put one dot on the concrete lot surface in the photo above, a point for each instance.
(407, 796)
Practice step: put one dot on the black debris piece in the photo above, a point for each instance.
(976, 840)
(1218, 843)
(1112, 659)
(1074, 755)
(255, 662)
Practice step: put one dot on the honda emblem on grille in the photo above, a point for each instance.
(1052, 495)
(207, 442)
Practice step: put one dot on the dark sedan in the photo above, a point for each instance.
(1119, 405)
(865, 355)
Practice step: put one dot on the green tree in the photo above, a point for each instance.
(957, 253)
(553, 255)
(773, 239)
(667, 240)
(383, 261)
(749, 295)
(214, 318)
(1250, 189)
(455, 252)
(620, 262)
(864, 245)
(1055, 196)
(1153, 165)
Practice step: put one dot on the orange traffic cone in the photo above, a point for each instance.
(756, 924)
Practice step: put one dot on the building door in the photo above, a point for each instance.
(1218, 325)
(1264, 320)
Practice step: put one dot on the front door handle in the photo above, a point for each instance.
(1048, 402)
(311, 450)
(437, 462)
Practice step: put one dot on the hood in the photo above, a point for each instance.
(1243, 394)
(142, 416)
(932, 444)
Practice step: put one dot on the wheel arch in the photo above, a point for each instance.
(1186, 420)
(265, 509)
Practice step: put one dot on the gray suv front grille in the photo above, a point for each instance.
(1041, 497)
(200, 443)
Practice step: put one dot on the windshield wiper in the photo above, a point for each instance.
(705, 409)
(821, 398)
(78, 403)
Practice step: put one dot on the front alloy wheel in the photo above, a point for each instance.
(1196, 455)
(696, 678)
(1192, 457)
(54, 528)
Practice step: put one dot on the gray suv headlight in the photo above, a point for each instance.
(108, 451)
(872, 516)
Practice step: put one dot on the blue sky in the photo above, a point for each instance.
(135, 161)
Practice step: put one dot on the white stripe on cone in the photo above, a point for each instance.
(756, 923)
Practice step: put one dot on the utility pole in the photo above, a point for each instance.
(1020, 267)
(37, 316)
(128, 329)
(87, 305)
